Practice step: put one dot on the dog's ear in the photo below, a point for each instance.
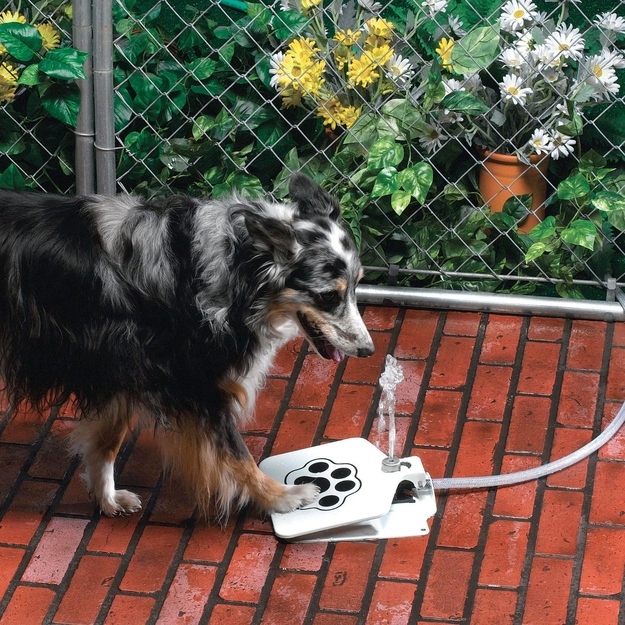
(311, 199)
(269, 234)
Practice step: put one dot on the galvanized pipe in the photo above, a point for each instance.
(491, 303)
(82, 40)
(103, 89)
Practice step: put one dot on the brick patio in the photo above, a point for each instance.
(483, 393)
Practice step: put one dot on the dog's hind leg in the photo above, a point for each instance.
(221, 467)
(98, 439)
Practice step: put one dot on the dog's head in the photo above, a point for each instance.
(319, 268)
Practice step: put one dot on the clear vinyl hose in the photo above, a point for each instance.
(487, 481)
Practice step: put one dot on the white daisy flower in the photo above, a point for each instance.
(435, 6)
(452, 84)
(561, 145)
(511, 57)
(567, 42)
(525, 43)
(456, 26)
(515, 13)
(544, 55)
(601, 76)
(399, 69)
(450, 117)
(512, 89)
(274, 65)
(540, 18)
(553, 75)
(540, 141)
(611, 21)
(432, 137)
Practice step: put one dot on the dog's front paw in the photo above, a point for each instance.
(124, 502)
(296, 497)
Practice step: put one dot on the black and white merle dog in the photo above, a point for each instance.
(170, 312)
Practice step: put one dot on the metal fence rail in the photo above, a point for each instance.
(189, 97)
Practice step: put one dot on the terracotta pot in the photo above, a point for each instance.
(503, 175)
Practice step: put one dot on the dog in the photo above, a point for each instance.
(170, 312)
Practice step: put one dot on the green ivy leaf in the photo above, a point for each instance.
(62, 101)
(202, 126)
(573, 187)
(386, 182)
(64, 63)
(535, 251)
(385, 152)
(400, 200)
(518, 206)
(201, 69)
(12, 178)
(544, 230)
(288, 24)
(464, 102)
(581, 232)
(608, 201)
(30, 76)
(476, 50)
(417, 180)
(571, 291)
(590, 162)
(22, 41)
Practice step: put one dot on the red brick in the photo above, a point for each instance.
(560, 517)
(267, 406)
(489, 393)
(334, 619)
(256, 446)
(22, 519)
(548, 591)
(477, 448)
(528, 424)
(516, 501)
(55, 550)
(565, 441)
(493, 607)
(453, 360)
(247, 572)
(504, 554)
(128, 609)
(304, 556)
(578, 399)
(417, 333)
(175, 503)
(28, 605)
(187, 595)
(289, 599)
(347, 577)
(616, 375)
(208, 543)
(76, 499)
(224, 614)
(614, 449)
(462, 323)
(53, 459)
(434, 460)
(297, 431)
(380, 439)
(151, 559)
(592, 611)
(12, 457)
(24, 427)
(391, 603)
(380, 317)
(403, 558)
(501, 340)
(585, 350)
(349, 411)
(438, 418)
(10, 559)
(462, 520)
(368, 369)
(87, 590)
(538, 368)
(545, 329)
(407, 391)
(604, 561)
(447, 584)
(286, 358)
(605, 506)
(113, 534)
(618, 338)
(313, 383)
(143, 467)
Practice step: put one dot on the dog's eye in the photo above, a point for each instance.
(328, 298)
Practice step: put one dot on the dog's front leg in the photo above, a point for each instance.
(97, 440)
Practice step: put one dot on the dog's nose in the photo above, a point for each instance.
(364, 352)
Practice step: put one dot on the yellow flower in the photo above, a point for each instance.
(334, 113)
(309, 4)
(303, 75)
(50, 36)
(380, 55)
(8, 16)
(347, 37)
(348, 115)
(380, 32)
(291, 97)
(363, 71)
(304, 49)
(8, 82)
(444, 50)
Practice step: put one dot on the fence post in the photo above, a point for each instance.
(103, 91)
(82, 40)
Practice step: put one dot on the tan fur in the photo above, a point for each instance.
(236, 391)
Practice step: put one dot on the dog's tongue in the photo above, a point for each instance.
(336, 354)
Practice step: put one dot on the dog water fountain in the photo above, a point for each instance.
(364, 493)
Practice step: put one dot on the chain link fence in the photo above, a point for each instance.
(393, 107)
